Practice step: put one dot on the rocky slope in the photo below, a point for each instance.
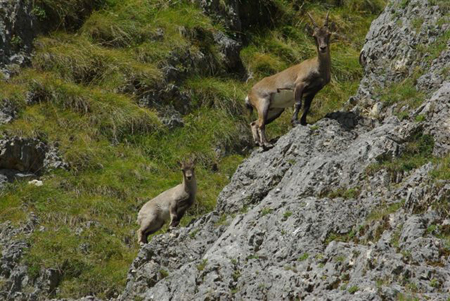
(335, 211)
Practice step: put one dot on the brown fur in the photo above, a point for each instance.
(273, 94)
(171, 203)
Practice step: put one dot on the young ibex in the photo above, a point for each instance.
(171, 203)
(273, 94)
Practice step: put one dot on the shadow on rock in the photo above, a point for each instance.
(347, 120)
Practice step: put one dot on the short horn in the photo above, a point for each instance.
(326, 19)
(312, 20)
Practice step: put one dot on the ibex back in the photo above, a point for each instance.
(273, 94)
(171, 203)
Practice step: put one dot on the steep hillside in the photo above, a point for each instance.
(354, 207)
(101, 98)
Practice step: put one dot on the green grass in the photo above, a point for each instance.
(85, 82)
(266, 211)
(287, 214)
(384, 210)
(405, 297)
(340, 237)
(303, 257)
(442, 170)
(340, 258)
(351, 193)
(417, 23)
(402, 93)
(201, 266)
(440, 44)
(353, 289)
(418, 151)
(163, 273)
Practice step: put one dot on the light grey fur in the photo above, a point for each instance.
(171, 203)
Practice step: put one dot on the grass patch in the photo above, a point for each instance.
(395, 239)
(384, 210)
(201, 266)
(353, 289)
(163, 273)
(440, 44)
(402, 93)
(417, 23)
(222, 94)
(340, 237)
(418, 151)
(303, 257)
(266, 211)
(442, 170)
(351, 193)
(287, 214)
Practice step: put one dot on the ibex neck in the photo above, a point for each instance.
(324, 61)
(190, 186)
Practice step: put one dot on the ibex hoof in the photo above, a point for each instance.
(257, 142)
(267, 146)
(295, 123)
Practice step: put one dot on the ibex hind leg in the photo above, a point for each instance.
(142, 238)
(255, 132)
(263, 111)
(272, 114)
(148, 229)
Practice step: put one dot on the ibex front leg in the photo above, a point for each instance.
(298, 94)
(263, 110)
(174, 220)
(308, 101)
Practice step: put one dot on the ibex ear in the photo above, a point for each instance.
(193, 159)
(332, 27)
(180, 164)
(309, 30)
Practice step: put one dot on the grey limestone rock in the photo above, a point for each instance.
(26, 158)
(7, 111)
(396, 48)
(18, 28)
(437, 123)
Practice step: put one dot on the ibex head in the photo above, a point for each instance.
(321, 34)
(188, 168)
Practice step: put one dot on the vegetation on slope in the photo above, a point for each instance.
(83, 91)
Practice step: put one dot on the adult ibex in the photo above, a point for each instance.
(171, 203)
(273, 94)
